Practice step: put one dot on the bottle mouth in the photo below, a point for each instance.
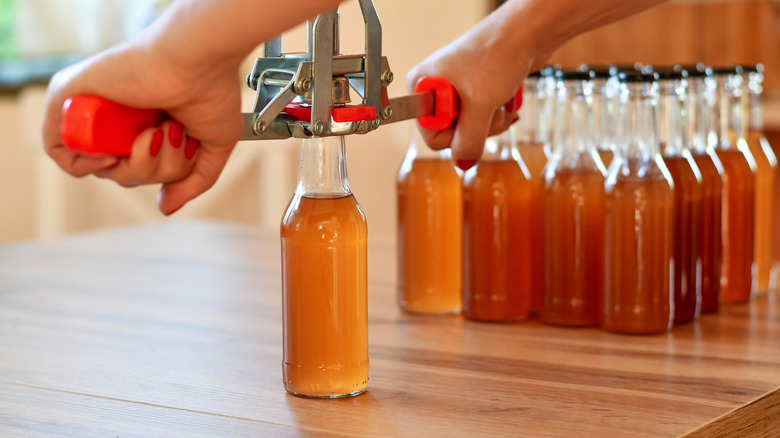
(728, 70)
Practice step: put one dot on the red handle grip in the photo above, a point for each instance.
(447, 104)
(94, 125)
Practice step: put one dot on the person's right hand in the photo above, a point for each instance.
(202, 101)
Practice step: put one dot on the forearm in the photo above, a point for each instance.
(195, 32)
(545, 25)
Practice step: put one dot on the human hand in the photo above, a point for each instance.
(486, 72)
(186, 153)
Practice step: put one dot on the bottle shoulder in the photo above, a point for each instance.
(683, 170)
(496, 171)
(427, 169)
(638, 171)
(583, 161)
(324, 218)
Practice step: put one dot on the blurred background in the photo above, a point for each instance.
(37, 37)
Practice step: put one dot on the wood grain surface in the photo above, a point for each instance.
(174, 329)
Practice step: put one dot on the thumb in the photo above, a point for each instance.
(470, 134)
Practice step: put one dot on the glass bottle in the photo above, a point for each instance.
(324, 283)
(639, 204)
(430, 231)
(738, 187)
(687, 181)
(497, 201)
(532, 132)
(574, 215)
(766, 172)
(701, 95)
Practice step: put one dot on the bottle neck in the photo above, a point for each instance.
(754, 113)
(573, 134)
(728, 114)
(605, 111)
(637, 127)
(533, 126)
(672, 117)
(701, 98)
(323, 167)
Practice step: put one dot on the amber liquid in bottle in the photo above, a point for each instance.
(574, 248)
(606, 156)
(430, 236)
(639, 218)
(324, 283)
(535, 158)
(685, 238)
(496, 253)
(737, 226)
(710, 230)
(766, 172)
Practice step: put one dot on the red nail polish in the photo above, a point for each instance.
(175, 133)
(466, 164)
(156, 145)
(191, 148)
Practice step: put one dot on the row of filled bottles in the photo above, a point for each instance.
(629, 198)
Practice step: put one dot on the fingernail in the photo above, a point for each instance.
(110, 162)
(515, 118)
(191, 148)
(156, 145)
(174, 210)
(465, 164)
(175, 133)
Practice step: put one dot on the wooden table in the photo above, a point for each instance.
(174, 329)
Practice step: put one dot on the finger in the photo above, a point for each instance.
(174, 162)
(470, 134)
(175, 133)
(76, 164)
(142, 164)
(175, 156)
(502, 120)
(80, 165)
(437, 140)
(207, 167)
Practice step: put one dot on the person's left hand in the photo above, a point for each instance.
(486, 75)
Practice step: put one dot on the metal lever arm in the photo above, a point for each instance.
(92, 124)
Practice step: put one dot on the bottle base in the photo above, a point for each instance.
(326, 396)
(416, 312)
(637, 331)
(494, 319)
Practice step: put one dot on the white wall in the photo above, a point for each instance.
(38, 200)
